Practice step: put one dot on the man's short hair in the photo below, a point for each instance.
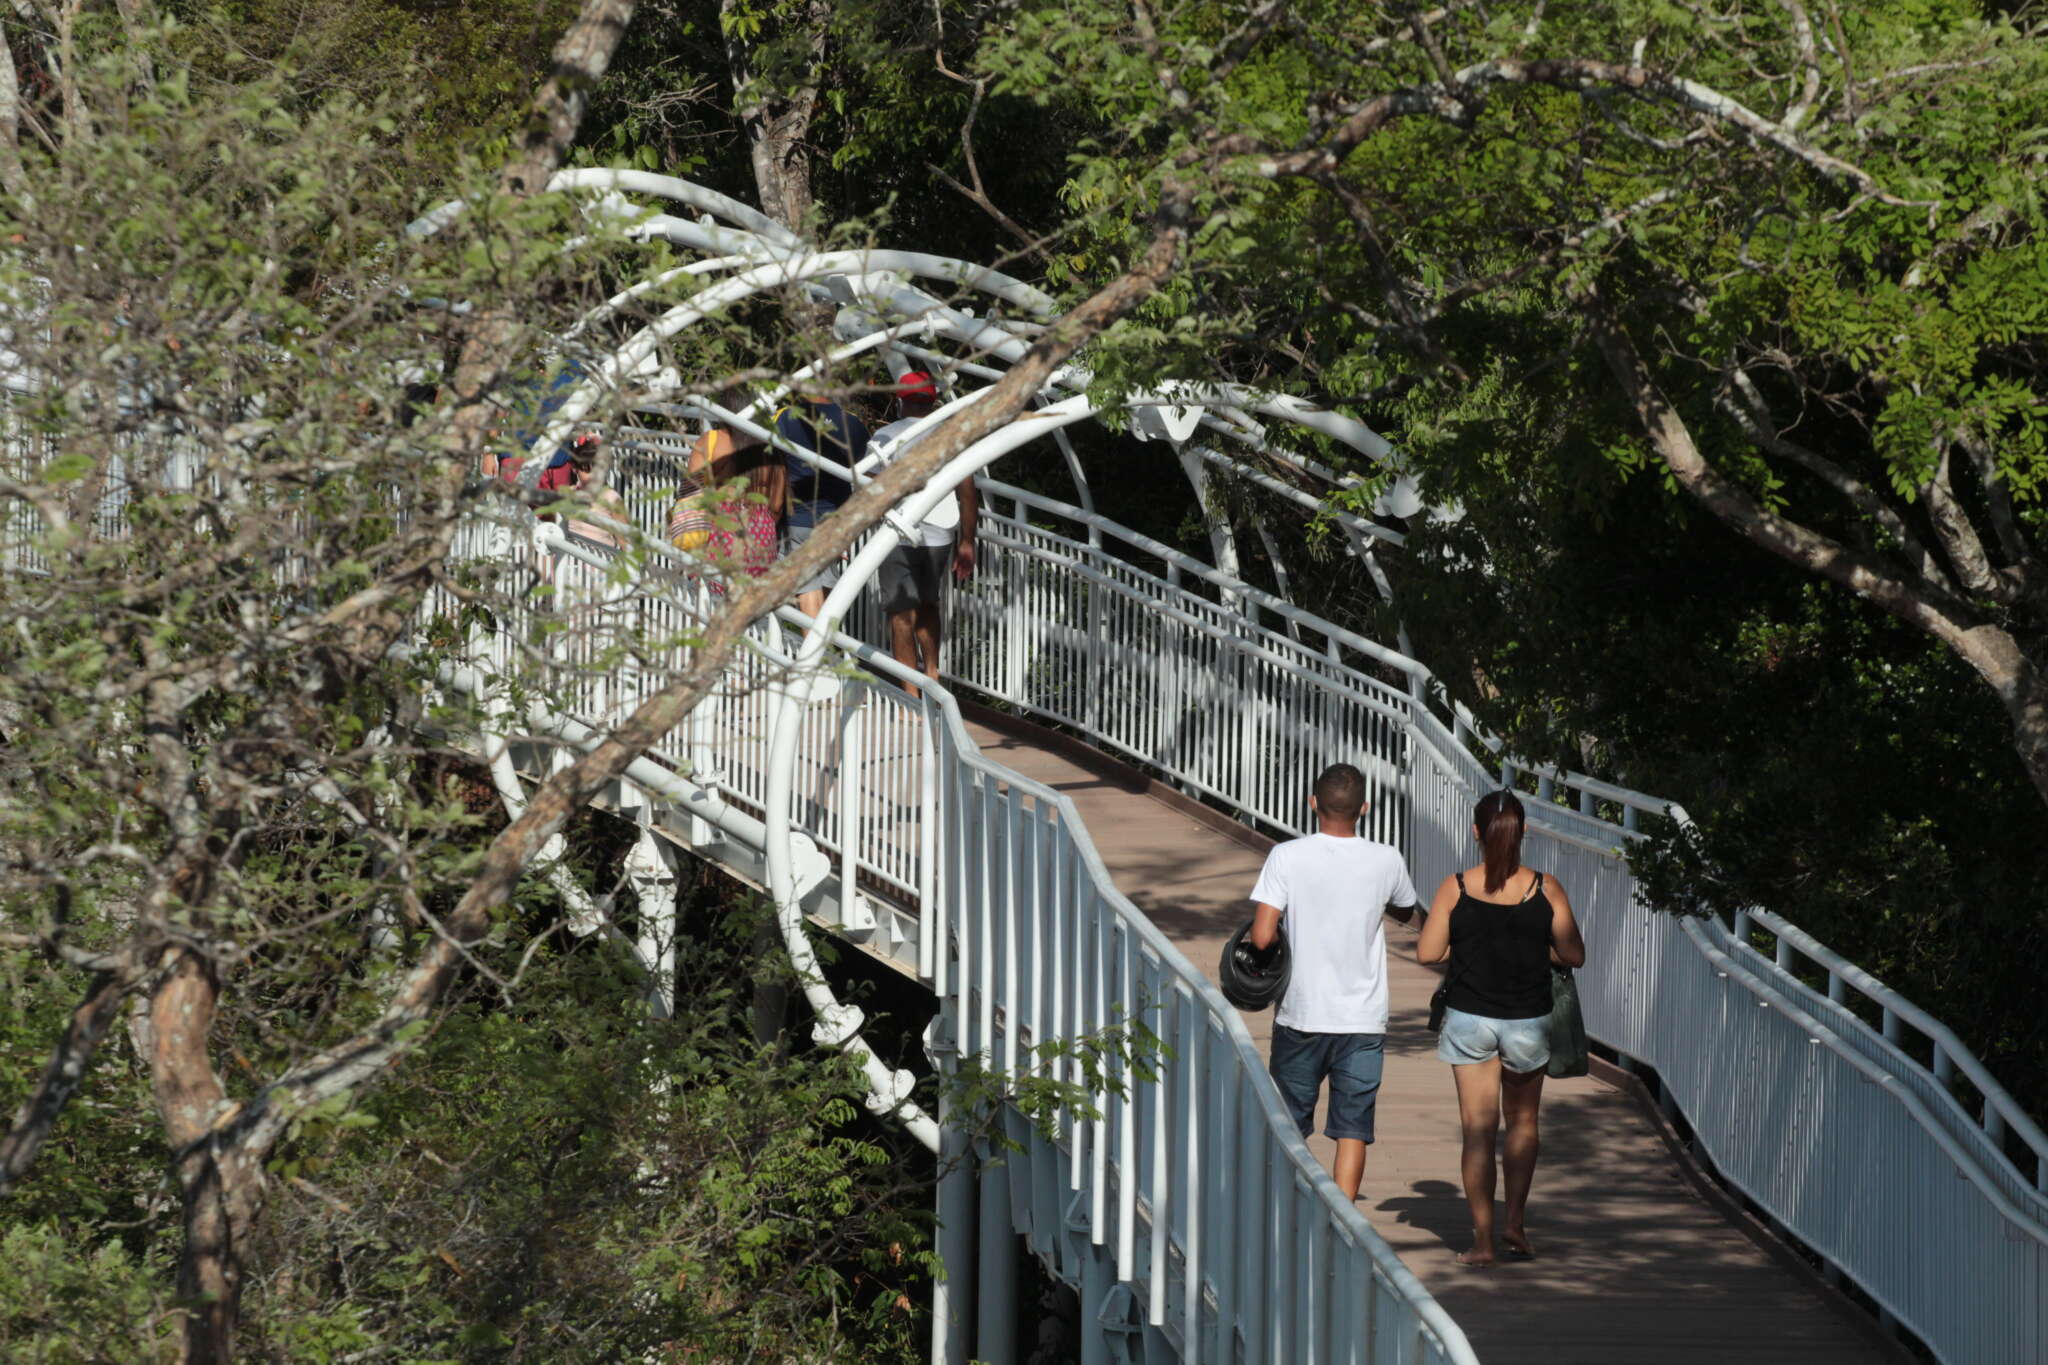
(1340, 792)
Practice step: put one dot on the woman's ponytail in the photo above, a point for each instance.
(1498, 817)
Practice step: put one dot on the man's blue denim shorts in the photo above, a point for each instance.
(1353, 1062)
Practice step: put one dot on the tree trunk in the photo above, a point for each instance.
(2020, 684)
(777, 122)
(782, 165)
(221, 1187)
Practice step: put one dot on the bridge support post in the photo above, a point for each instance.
(1222, 540)
(995, 1328)
(953, 1295)
(1097, 1277)
(651, 869)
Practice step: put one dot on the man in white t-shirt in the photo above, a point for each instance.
(912, 580)
(1334, 890)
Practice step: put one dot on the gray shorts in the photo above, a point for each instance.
(913, 576)
(827, 576)
(1523, 1045)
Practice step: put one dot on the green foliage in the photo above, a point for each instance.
(570, 1178)
(64, 1304)
(470, 66)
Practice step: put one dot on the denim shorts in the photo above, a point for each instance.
(1523, 1045)
(1352, 1061)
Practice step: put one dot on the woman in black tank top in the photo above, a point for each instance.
(1502, 953)
(1501, 926)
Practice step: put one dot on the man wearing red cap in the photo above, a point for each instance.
(912, 579)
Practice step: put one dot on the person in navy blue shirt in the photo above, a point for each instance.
(822, 426)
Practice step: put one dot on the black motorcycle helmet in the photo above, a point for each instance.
(1253, 979)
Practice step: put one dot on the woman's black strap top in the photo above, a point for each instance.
(1500, 955)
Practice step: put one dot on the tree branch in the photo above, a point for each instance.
(2012, 542)
(63, 1074)
(581, 58)
(1926, 605)
(1958, 537)
(549, 807)
(1579, 74)
(1753, 415)
(12, 177)
(1809, 58)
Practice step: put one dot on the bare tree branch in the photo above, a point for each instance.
(63, 1074)
(2012, 542)
(1752, 414)
(1959, 539)
(1809, 59)
(1925, 605)
(1580, 74)
(11, 175)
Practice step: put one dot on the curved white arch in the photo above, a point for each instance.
(886, 312)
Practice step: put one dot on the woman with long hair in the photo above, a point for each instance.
(1503, 927)
(730, 511)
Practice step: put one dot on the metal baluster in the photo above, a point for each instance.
(1194, 1033)
(1161, 1005)
(1127, 1130)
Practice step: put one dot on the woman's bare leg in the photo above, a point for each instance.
(1521, 1094)
(1478, 1117)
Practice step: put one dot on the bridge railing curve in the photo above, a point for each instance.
(1850, 1144)
(1189, 1177)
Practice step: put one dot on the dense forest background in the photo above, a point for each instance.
(552, 1181)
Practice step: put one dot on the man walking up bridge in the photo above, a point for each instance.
(1334, 890)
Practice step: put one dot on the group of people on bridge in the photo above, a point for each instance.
(1502, 927)
(744, 502)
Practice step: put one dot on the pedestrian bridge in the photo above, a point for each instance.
(1057, 839)
(1045, 890)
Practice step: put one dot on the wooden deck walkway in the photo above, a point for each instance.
(1635, 1264)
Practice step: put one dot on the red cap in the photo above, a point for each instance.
(917, 384)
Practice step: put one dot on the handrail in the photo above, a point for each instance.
(2000, 1112)
(1159, 1240)
(1627, 1004)
(1966, 1164)
(1189, 564)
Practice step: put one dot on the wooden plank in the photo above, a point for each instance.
(1634, 1265)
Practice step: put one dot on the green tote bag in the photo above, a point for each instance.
(1568, 1054)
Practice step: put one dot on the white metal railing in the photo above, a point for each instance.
(1191, 1178)
(1851, 1144)
(1178, 665)
(1953, 1065)
(1194, 683)
(1147, 651)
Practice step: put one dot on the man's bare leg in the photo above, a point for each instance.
(903, 643)
(1350, 1167)
(1521, 1095)
(811, 603)
(1478, 1117)
(927, 631)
